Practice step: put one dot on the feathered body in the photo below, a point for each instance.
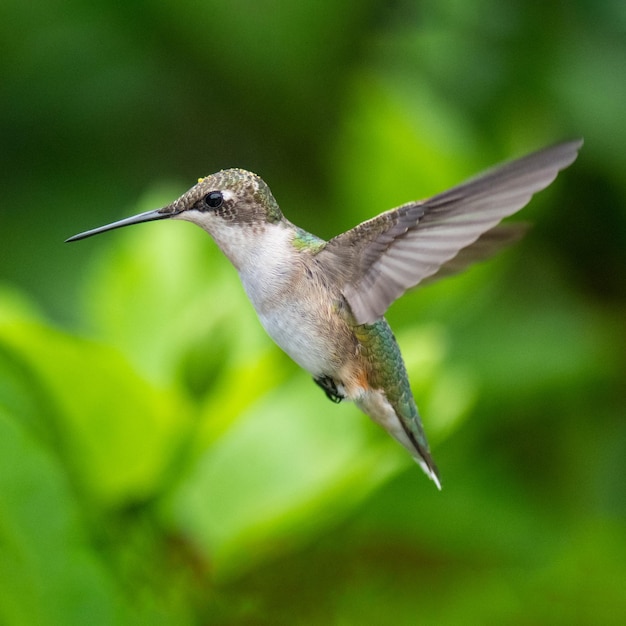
(323, 302)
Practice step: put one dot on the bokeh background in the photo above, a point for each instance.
(162, 462)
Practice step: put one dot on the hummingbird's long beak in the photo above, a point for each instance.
(148, 216)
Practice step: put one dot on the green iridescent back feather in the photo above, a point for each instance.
(307, 241)
(379, 346)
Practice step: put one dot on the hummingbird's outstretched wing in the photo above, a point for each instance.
(378, 260)
(489, 243)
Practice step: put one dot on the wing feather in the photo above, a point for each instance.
(378, 260)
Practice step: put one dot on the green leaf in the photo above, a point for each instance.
(291, 465)
(48, 572)
(118, 431)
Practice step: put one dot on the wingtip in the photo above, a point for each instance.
(571, 148)
(578, 142)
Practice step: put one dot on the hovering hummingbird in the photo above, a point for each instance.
(323, 301)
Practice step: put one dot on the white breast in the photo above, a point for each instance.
(291, 311)
(298, 334)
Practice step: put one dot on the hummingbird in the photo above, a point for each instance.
(323, 301)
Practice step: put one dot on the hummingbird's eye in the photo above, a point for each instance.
(214, 199)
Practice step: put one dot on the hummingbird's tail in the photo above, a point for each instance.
(383, 392)
(421, 454)
(425, 461)
(407, 430)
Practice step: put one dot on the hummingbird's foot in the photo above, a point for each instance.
(330, 388)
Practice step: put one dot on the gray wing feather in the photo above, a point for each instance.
(489, 243)
(378, 260)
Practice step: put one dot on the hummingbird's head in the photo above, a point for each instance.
(228, 201)
(231, 197)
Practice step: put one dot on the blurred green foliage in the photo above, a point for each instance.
(161, 462)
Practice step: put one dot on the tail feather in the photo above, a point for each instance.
(406, 430)
(423, 457)
(429, 468)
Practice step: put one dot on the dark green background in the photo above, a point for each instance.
(161, 462)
